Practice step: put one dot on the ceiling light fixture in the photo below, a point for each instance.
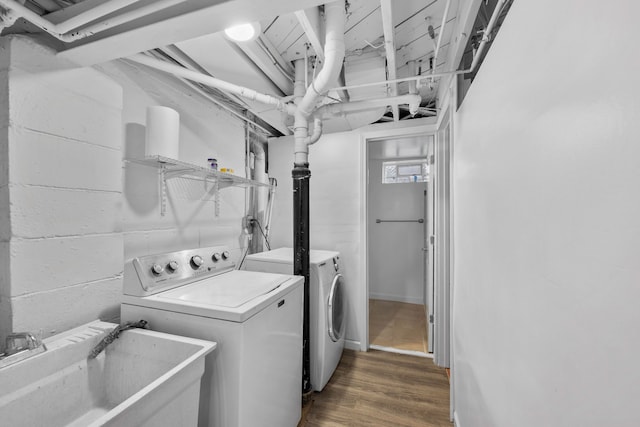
(243, 32)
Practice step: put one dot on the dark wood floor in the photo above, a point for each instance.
(381, 389)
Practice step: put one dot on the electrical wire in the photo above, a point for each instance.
(263, 234)
(243, 257)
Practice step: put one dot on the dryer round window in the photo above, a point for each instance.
(335, 309)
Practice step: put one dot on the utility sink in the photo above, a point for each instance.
(143, 378)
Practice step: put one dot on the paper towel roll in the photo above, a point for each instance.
(163, 132)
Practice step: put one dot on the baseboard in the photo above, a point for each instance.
(352, 345)
(400, 351)
(456, 421)
(397, 298)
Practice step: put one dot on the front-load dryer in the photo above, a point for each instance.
(327, 305)
(254, 376)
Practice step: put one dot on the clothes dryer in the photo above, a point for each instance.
(327, 305)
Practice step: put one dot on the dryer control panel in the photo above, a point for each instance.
(147, 275)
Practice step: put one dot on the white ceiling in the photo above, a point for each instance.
(291, 29)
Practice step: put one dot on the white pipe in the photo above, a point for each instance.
(335, 17)
(213, 99)
(347, 107)
(474, 64)
(317, 131)
(177, 70)
(487, 33)
(60, 31)
(411, 69)
(444, 22)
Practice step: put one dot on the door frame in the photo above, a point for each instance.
(397, 130)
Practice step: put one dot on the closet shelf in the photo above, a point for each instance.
(171, 168)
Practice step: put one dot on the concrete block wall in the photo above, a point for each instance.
(205, 131)
(60, 237)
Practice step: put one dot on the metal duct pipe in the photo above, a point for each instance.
(62, 31)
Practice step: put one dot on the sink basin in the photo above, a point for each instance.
(143, 378)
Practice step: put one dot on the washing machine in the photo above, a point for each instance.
(253, 378)
(327, 306)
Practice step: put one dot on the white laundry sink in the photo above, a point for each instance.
(143, 378)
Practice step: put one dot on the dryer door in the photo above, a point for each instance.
(336, 309)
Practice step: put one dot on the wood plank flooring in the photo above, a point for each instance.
(381, 389)
(398, 325)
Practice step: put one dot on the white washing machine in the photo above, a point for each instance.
(327, 306)
(254, 376)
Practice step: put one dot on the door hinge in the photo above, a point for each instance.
(431, 318)
(432, 239)
(432, 159)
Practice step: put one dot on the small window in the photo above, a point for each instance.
(404, 171)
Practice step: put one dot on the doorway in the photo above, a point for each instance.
(399, 223)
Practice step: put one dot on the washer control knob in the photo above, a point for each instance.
(225, 255)
(196, 261)
(215, 257)
(173, 265)
(157, 269)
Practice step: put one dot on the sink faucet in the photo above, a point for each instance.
(20, 346)
(20, 341)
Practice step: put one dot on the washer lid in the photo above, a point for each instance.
(285, 256)
(231, 289)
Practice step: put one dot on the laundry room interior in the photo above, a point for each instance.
(310, 213)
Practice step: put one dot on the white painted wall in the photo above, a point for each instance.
(205, 131)
(76, 214)
(396, 260)
(61, 250)
(337, 204)
(546, 221)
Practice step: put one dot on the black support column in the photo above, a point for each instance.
(301, 176)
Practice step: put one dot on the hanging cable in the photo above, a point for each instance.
(263, 233)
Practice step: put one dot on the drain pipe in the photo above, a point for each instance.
(335, 17)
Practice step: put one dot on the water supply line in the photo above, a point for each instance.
(349, 107)
(64, 31)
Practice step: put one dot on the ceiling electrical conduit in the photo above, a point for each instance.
(63, 30)
(474, 64)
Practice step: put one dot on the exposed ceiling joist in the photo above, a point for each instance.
(390, 49)
(270, 63)
(198, 18)
(311, 24)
